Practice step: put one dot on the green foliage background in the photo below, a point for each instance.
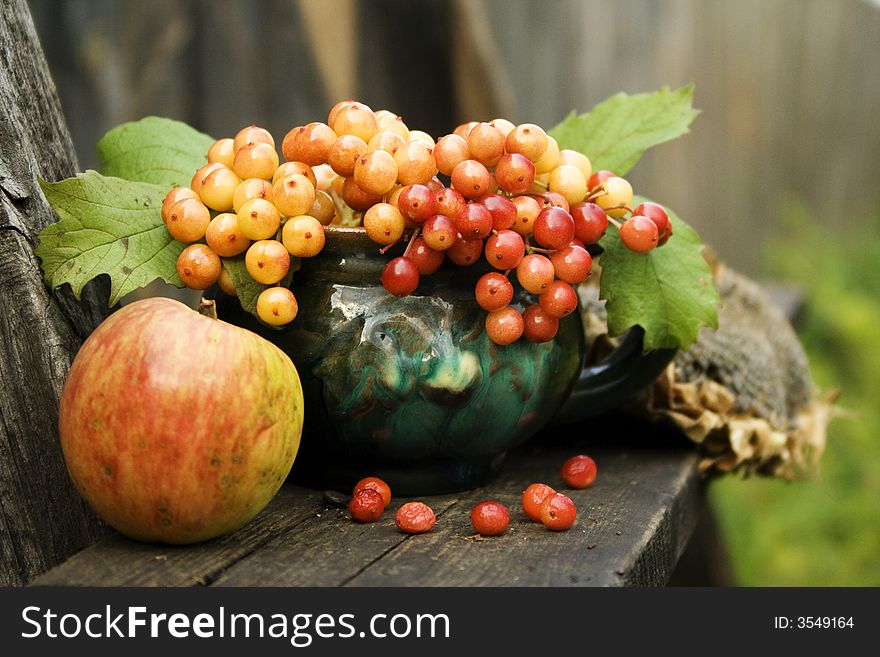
(826, 531)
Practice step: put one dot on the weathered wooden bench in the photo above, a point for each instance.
(633, 525)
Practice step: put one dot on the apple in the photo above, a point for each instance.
(177, 427)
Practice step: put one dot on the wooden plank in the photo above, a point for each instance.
(42, 519)
(118, 561)
(326, 550)
(633, 523)
(633, 526)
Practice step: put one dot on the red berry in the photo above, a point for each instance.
(439, 232)
(376, 484)
(448, 202)
(400, 277)
(501, 208)
(490, 518)
(471, 179)
(558, 512)
(598, 178)
(515, 173)
(366, 505)
(504, 326)
(656, 213)
(426, 259)
(494, 291)
(465, 252)
(553, 200)
(533, 497)
(554, 228)
(473, 221)
(579, 471)
(415, 518)
(558, 300)
(590, 222)
(639, 234)
(416, 203)
(505, 249)
(538, 326)
(535, 272)
(572, 263)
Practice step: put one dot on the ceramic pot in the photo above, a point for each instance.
(410, 389)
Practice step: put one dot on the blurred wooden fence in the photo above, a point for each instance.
(789, 89)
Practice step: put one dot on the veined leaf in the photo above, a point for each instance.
(616, 133)
(154, 150)
(108, 226)
(668, 291)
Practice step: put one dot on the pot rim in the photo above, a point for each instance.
(352, 240)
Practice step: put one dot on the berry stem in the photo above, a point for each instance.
(615, 222)
(385, 248)
(411, 240)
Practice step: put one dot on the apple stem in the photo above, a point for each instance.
(208, 308)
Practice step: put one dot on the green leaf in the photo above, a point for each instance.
(108, 226)
(668, 291)
(154, 150)
(617, 131)
(246, 288)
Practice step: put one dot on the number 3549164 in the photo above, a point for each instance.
(814, 622)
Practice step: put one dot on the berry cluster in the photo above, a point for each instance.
(244, 201)
(543, 504)
(540, 503)
(370, 497)
(496, 190)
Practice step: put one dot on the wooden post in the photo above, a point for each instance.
(42, 518)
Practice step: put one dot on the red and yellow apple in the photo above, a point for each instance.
(177, 427)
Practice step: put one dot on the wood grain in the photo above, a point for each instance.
(633, 525)
(42, 519)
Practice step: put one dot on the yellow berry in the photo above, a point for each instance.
(258, 160)
(222, 151)
(224, 236)
(303, 236)
(218, 188)
(250, 136)
(258, 219)
(617, 197)
(293, 195)
(267, 261)
(187, 220)
(277, 306)
(198, 267)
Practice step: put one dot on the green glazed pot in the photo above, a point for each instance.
(410, 389)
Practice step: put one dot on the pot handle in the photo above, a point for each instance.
(606, 385)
